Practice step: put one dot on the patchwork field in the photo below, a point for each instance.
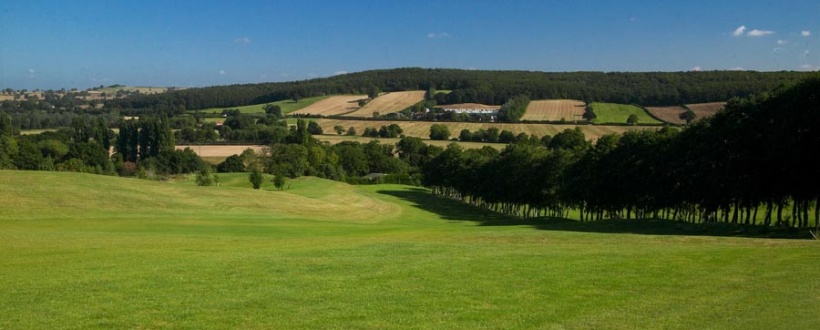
(334, 139)
(287, 106)
(389, 103)
(555, 110)
(703, 110)
(332, 106)
(81, 251)
(422, 129)
(611, 113)
(668, 114)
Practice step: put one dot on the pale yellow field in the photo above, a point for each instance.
(668, 114)
(422, 129)
(555, 110)
(332, 106)
(220, 151)
(334, 139)
(703, 110)
(389, 103)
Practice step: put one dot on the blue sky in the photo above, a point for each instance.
(56, 44)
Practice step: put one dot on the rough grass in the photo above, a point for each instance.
(703, 110)
(81, 251)
(668, 114)
(287, 106)
(611, 113)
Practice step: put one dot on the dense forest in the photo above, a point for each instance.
(477, 86)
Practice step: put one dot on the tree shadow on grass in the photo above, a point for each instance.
(453, 210)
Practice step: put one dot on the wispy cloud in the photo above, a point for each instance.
(739, 31)
(782, 42)
(736, 68)
(339, 73)
(743, 31)
(438, 35)
(242, 40)
(222, 72)
(697, 68)
(805, 33)
(759, 33)
(807, 67)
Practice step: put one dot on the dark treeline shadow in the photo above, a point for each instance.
(453, 210)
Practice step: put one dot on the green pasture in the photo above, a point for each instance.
(82, 251)
(287, 106)
(611, 113)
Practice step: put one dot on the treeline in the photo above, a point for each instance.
(754, 156)
(478, 86)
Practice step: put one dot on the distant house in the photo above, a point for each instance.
(472, 109)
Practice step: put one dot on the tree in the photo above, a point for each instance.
(314, 128)
(339, 129)
(279, 181)
(351, 131)
(273, 110)
(632, 120)
(256, 178)
(688, 116)
(203, 177)
(439, 132)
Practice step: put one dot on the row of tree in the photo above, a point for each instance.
(748, 164)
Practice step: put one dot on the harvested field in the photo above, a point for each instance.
(555, 110)
(334, 139)
(332, 106)
(668, 114)
(703, 110)
(422, 129)
(211, 151)
(389, 103)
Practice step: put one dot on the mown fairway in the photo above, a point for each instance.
(555, 110)
(389, 103)
(81, 251)
(612, 113)
(422, 128)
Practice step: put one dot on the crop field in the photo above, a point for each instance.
(332, 106)
(219, 150)
(389, 103)
(80, 251)
(422, 128)
(703, 110)
(555, 110)
(612, 113)
(334, 139)
(287, 106)
(141, 89)
(668, 114)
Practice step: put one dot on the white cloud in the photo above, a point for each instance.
(222, 72)
(339, 73)
(242, 40)
(30, 70)
(807, 67)
(805, 33)
(759, 33)
(782, 42)
(736, 68)
(739, 31)
(438, 35)
(697, 68)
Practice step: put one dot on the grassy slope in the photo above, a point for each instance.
(81, 251)
(288, 106)
(611, 113)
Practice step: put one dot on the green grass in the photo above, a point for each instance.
(611, 113)
(288, 106)
(81, 251)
